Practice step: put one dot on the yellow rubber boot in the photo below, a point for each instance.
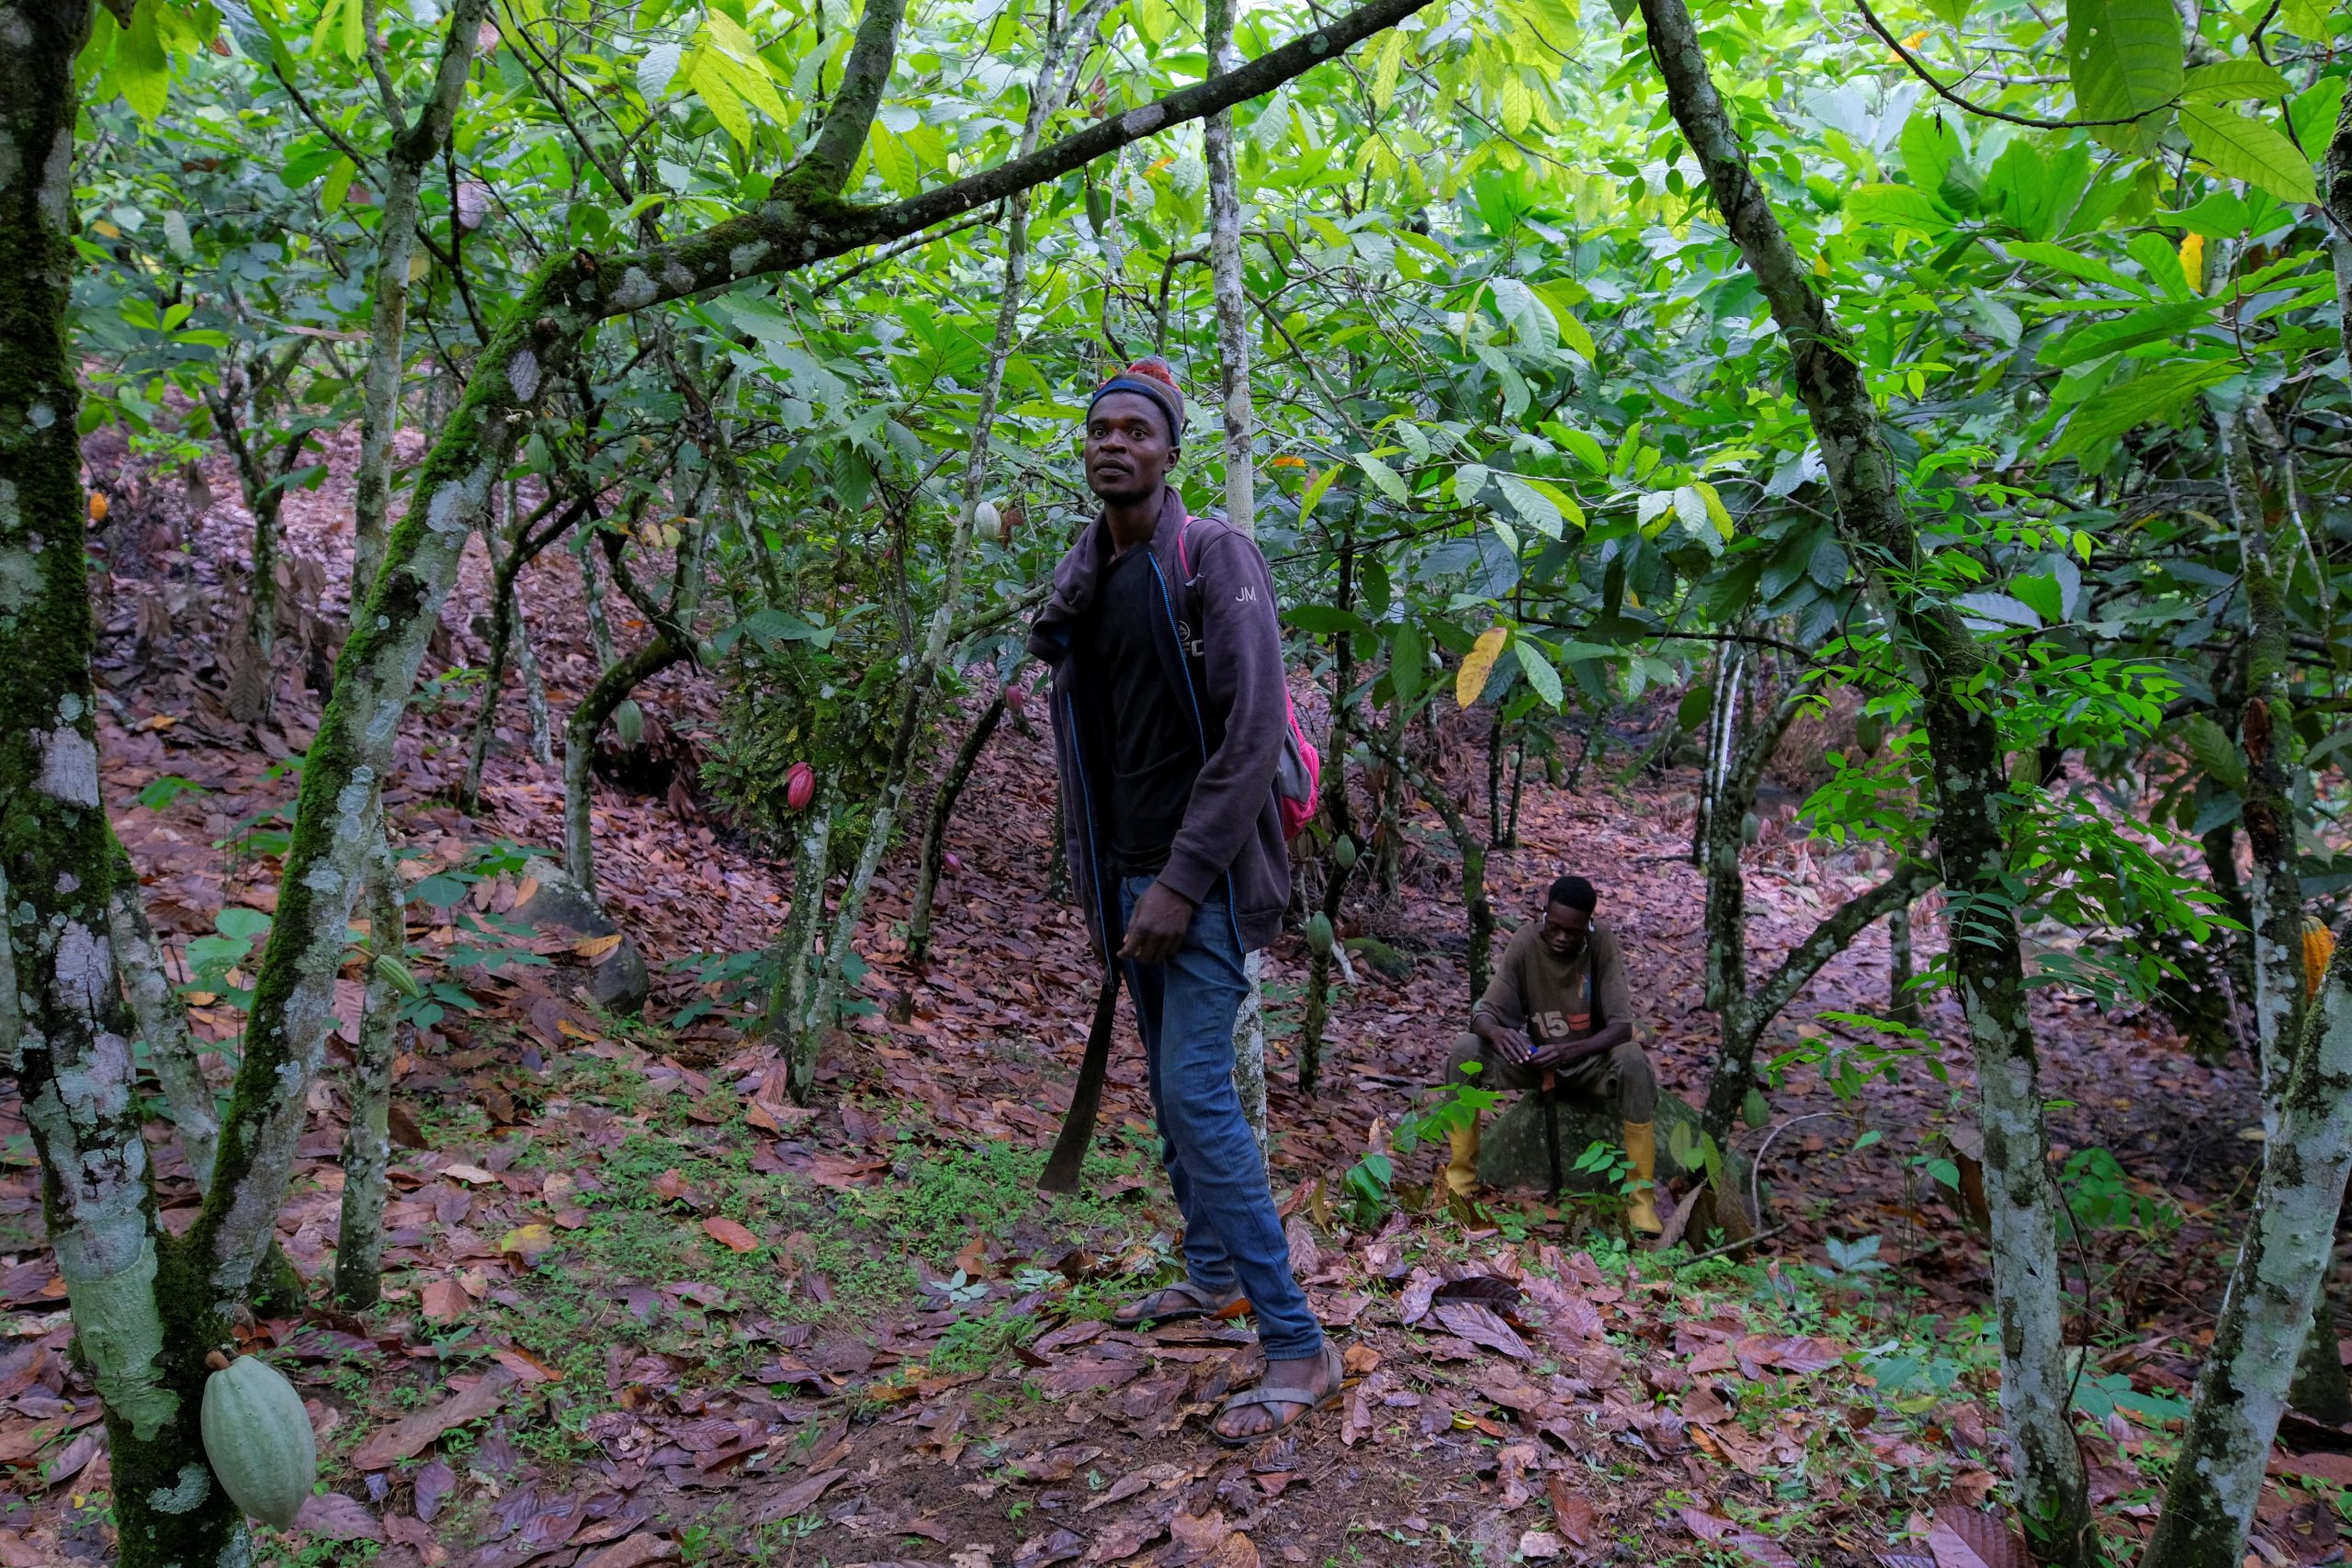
(1640, 1146)
(1462, 1170)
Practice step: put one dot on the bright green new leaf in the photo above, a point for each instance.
(1717, 512)
(711, 86)
(142, 68)
(1536, 665)
(2126, 59)
(2248, 150)
(2308, 17)
(1585, 447)
(1385, 73)
(1315, 491)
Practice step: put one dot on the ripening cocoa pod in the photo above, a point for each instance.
(1013, 519)
(98, 506)
(799, 786)
(1017, 699)
(1319, 932)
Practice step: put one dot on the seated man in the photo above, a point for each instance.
(1557, 1013)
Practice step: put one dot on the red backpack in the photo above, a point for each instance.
(1298, 777)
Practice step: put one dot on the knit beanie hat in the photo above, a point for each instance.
(1149, 376)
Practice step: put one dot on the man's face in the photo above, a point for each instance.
(1128, 453)
(1566, 931)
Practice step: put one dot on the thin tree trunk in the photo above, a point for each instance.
(580, 732)
(2241, 1387)
(1965, 747)
(792, 993)
(162, 1020)
(523, 547)
(1473, 850)
(1232, 297)
(414, 147)
(1337, 816)
(1902, 1004)
(1045, 100)
(535, 689)
(367, 1141)
(64, 1025)
(933, 860)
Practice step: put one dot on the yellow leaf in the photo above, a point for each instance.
(594, 947)
(1479, 663)
(2192, 261)
(526, 1241)
(1821, 266)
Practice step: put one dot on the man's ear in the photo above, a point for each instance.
(1175, 452)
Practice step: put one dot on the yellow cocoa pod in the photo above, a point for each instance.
(2319, 946)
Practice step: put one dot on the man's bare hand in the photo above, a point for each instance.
(1156, 930)
(1559, 1054)
(1516, 1047)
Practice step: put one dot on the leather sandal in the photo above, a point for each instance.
(1180, 1304)
(1300, 1403)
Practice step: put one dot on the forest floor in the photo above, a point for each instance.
(640, 1308)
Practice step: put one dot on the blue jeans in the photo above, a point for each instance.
(1186, 1008)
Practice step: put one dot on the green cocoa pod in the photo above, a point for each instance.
(1751, 828)
(257, 1439)
(1343, 852)
(629, 723)
(1319, 932)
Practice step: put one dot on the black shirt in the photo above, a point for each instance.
(1155, 738)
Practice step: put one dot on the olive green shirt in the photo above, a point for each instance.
(1535, 991)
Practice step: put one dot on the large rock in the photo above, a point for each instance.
(618, 981)
(1511, 1155)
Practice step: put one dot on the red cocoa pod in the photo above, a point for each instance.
(799, 786)
(1017, 699)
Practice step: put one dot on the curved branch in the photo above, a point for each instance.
(1833, 934)
(824, 169)
(1919, 69)
(805, 225)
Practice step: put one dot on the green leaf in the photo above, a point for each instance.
(2308, 18)
(141, 67)
(2214, 751)
(338, 184)
(1323, 620)
(1899, 207)
(1536, 665)
(1534, 508)
(2248, 150)
(2150, 323)
(1407, 663)
(657, 70)
(1383, 477)
(2155, 395)
(2042, 594)
(2226, 79)
(2126, 59)
(1585, 446)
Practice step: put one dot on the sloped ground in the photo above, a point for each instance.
(643, 1309)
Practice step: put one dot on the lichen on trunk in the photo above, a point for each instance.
(367, 1141)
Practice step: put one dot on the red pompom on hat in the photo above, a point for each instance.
(1149, 377)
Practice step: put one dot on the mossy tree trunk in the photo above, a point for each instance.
(142, 1320)
(162, 1020)
(2241, 1387)
(1337, 816)
(415, 145)
(367, 1140)
(1965, 756)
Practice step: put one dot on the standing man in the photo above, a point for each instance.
(1558, 1009)
(1170, 721)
